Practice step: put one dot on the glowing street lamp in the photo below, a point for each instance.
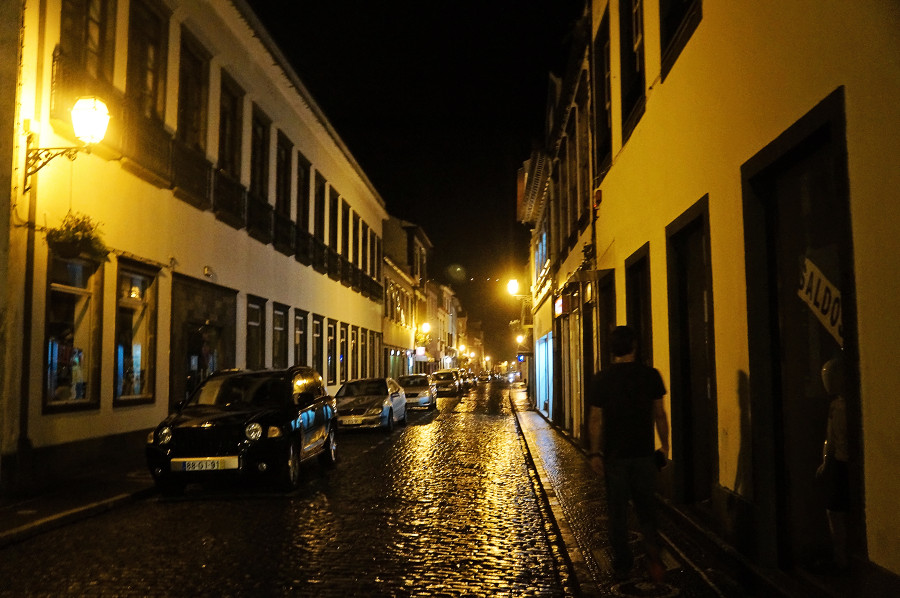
(90, 118)
(513, 286)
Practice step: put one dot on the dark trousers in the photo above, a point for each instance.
(633, 479)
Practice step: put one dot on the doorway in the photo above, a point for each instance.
(801, 314)
(692, 357)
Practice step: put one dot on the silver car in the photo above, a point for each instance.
(420, 390)
(371, 403)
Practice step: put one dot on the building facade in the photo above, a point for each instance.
(241, 231)
(721, 176)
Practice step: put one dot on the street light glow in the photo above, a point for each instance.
(513, 286)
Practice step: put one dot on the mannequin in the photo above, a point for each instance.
(834, 468)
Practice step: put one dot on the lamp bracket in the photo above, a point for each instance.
(38, 157)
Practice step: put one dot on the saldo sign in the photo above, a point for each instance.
(823, 298)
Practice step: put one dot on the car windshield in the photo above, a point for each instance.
(443, 376)
(362, 388)
(413, 380)
(243, 391)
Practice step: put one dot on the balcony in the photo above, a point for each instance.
(229, 200)
(319, 256)
(191, 173)
(283, 234)
(303, 246)
(259, 218)
(334, 264)
(346, 272)
(146, 148)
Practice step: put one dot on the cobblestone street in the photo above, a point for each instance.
(447, 506)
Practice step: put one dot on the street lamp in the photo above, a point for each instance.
(90, 118)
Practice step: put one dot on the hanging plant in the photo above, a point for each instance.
(77, 235)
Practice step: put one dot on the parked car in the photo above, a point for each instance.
(371, 403)
(447, 383)
(420, 390)
(484, 377)
(246, 424)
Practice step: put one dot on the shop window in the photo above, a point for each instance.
(301, 356)
(331, 354)
(363, 353)
(279, 336)
(318, 358)
(256, 333)
(354, 355)
(135, 350)
(343, 352)
(72, 336)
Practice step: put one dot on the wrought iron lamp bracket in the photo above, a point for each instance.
(38, 157)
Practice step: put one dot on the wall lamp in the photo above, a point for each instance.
(90, 117)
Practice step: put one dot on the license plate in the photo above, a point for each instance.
(351, 420)
(205, 464)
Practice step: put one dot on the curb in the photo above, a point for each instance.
(57, 520)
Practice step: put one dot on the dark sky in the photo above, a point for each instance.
(440, 108)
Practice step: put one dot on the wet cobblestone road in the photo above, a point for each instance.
(446, 506)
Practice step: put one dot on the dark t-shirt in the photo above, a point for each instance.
(626, 391)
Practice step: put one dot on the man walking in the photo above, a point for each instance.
(626, 405)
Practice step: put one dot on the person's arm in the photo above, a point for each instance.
(595, 434)
(662, 424)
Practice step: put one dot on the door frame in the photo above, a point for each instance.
(825, 121)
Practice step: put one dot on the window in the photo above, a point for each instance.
(193, 77)
(631, 30)
(354, 255)
(333, 215)
(677, 21)
(259, 155)
(279, 336)
(364, 261)
(319, 232)
(87, 36)
(563, 193)
(637, 301)
(332, 355)
(343, 352)
(72, 336)
(375, 364)
(134, 362)
(231, 104)
(572, 171)
(303, 170)
(602, 103)
(345, 230)
(283, 152)
(300, 351)
(318, 361)
(256, 333)
(146, 76)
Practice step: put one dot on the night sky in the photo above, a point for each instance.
(440, 110)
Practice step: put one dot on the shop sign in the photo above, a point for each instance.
(823, 298)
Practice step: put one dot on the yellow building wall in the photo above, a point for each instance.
(750, 70)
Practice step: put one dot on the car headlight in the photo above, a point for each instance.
(164, 436)
(374, 410)
(253, 431)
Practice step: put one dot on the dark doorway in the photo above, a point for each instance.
(606, 313)
(801, 314)
(637, 301)
(692, 354)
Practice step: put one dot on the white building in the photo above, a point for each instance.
(242, 231)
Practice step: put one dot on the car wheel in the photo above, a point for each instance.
(329, 455)
(290, 476)
(389, 427)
